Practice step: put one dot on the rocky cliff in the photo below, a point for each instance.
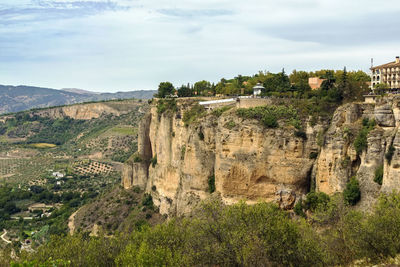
(89, 111)
(177, 164)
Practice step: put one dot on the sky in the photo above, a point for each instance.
(123, 45)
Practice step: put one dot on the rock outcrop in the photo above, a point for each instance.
(89, 111)
(177, 163)
(246, 160)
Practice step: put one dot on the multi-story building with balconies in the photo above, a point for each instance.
(388, 73)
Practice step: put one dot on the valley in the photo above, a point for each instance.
(53, 161)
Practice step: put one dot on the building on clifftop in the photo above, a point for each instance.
(388, 73)
(315, 82)
(258, 89)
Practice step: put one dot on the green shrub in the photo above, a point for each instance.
(230, 124)
(218, 111)
(137, 158)
(352, 193)
(300, 134)
(192, 114)
(379, 175)
(147, 200)
(201, 135)
(153, 161)
(313, 155)
(269, 121)
(389, 154)
(298, 209)
(136, 189)
(164, 105)
(361, 143)
(211, 184)
(269, 115)
(365, 122)
(316, 200)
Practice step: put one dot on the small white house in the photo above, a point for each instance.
(58, 175)
(258, 89)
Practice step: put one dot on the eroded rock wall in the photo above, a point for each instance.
(250, 162)
(89, 110)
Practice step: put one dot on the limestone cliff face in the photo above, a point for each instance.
(89, 110)
(254, 163)
(338, 160)
(247, 160)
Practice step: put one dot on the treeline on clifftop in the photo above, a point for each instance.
(241, 235)
(338, 85)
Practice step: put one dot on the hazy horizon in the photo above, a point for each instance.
(126, 45)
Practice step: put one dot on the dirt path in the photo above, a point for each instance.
(71, 223)
(3, 237)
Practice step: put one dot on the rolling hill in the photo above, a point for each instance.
(19, 98)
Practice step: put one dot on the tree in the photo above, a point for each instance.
(329, 82)
(165, 89)
(381, 88)
(352, 193)
(203, 88)
(184, 91)
(344, 86)
(277, 82)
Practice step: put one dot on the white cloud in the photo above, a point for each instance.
(135, 44)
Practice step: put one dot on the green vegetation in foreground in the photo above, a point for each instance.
(242, 235)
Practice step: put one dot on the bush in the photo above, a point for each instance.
(361, 142)
(230, 124)
(137, 158)
(316, 200)
(269, 121)
(136, 189)
(389, 154)
(211, 184)
(164, 105)
(379, 175)
(201, 135)
(269, 115)
(147, 201)
(218, 111)
(352, 192)
(313, 155)
(298, 209)
(300, 134)
(191, 115)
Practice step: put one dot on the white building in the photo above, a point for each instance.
(258, 89)
(388, 73)
(58, 174)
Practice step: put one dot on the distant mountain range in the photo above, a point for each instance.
(18, 98)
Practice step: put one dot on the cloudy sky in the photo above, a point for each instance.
(120, 45)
